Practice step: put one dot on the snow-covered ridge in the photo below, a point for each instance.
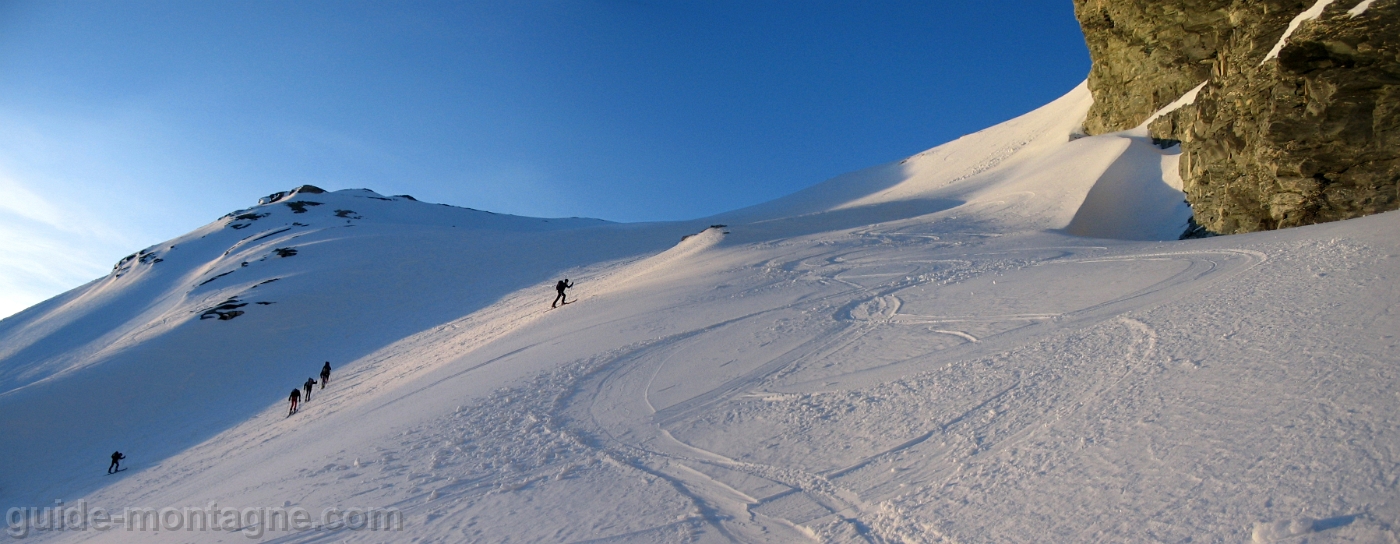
(1022, 175)
(241, 244)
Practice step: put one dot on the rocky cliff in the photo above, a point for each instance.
(1299, 118)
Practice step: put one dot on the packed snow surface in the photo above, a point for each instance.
(996, 340)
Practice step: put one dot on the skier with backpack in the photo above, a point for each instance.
(116, 462)
(295, 398)
(308, 385)
(325, 374)
(560, 287)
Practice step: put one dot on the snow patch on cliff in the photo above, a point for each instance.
(1311, 13)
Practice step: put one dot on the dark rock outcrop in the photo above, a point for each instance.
(1310, 136)
(283, 195)
(299, 206)
(225, 311)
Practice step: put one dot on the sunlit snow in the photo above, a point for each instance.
(997, 340)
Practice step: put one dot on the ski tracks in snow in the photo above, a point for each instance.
(831, 506)
(809, 434)
(598, 416)
(750, 500)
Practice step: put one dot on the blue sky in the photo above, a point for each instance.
(123, 124)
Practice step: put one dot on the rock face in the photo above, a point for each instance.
(1308, 136)
(1147, 54)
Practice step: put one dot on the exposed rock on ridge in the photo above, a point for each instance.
(1309, 137)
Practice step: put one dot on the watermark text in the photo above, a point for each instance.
(251, 522)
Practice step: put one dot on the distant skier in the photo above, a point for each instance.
(325, 374)
(561, 286)
(295, 398)
(116, 465)
(308, 385)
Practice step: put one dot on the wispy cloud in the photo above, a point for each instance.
(46, 248)
(77, 192)
(19, 201)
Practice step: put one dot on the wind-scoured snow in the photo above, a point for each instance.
(996, 340)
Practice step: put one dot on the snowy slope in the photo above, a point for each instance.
(1022, 175)
(996, 340)
(315, 277)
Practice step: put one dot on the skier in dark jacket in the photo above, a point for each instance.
(116, 465)
(308, 385)
(325, 374)
(561, 286)
(295, 398)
